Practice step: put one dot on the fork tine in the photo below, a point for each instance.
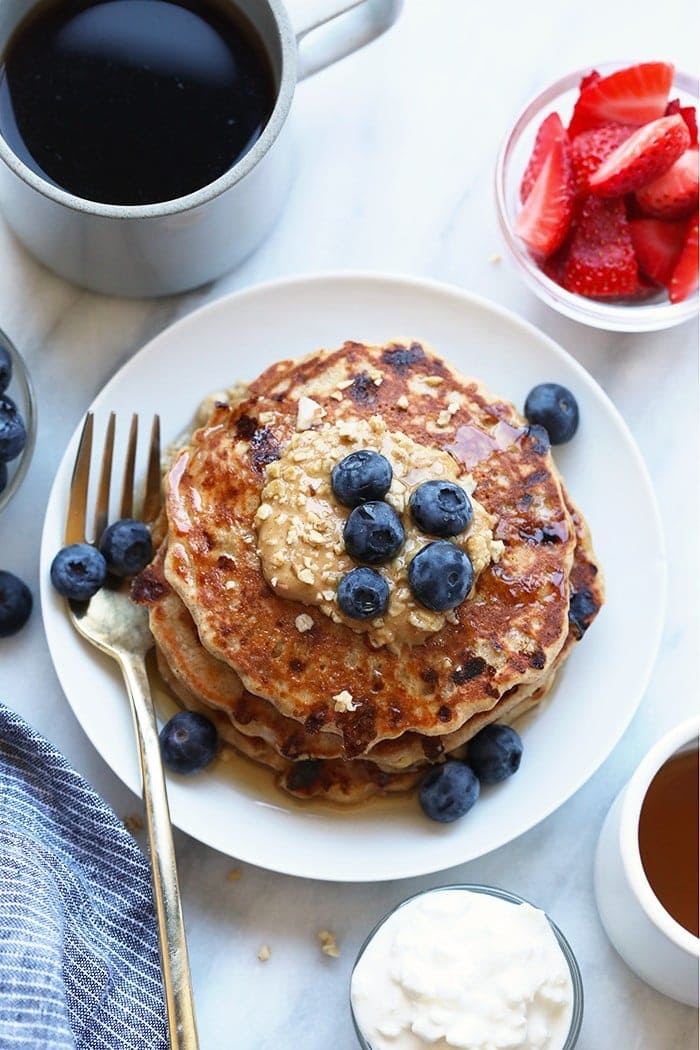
(102, 502)
(77, 500)
(126, 506)
(151, 497)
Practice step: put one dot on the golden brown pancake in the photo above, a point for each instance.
(507, 634)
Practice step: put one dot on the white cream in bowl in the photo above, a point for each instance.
(461, 969)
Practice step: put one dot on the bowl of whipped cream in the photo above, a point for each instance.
(466, 967)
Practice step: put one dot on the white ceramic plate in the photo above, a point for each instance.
(235, 807)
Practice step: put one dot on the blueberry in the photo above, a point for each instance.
(448, 791)
(15, 604)
(440, 576)
(373, 533)
(360, 477)
(5, 369)
(127, 547)
(555, 408)
(188, 742)
(3, 476)
(494, 753)
(441, 508)
(78, 571)
(13, 433)
(582, 609)
(363, 594)
(538, 439)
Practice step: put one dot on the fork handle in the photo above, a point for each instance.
(182, 1024)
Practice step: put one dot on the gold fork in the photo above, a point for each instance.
(113, 623)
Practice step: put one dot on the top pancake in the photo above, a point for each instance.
(504, 635)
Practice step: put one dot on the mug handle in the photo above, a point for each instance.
(360, 21)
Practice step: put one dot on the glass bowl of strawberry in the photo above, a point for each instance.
(597, 196)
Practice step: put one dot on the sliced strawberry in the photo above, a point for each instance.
(684, 279)
(549, 131)
(657, 245)
(590, 149)
(675, 193)
(553, 265)
(646, 155)
(544, 218)
(634, 95)
(601, 261)
(590, 78)
(689, 116)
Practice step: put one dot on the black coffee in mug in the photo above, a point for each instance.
(134, 101)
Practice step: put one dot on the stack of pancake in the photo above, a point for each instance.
(242, 592)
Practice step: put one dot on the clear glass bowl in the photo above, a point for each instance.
(576, 981)
(22, 393)
(647, 316)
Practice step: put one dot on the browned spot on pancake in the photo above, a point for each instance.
(433, 747)
(293, 745)
(244, 714)
(246, 427)
(363, 389)
(429, 675)
(470, 668)
(226, 563)
(304, 774)
(149, 587)
(296, 666)
(491, 690)
(264, 449)
(537, 660)
(358, 728)
(207, 539)
(402, 358)
(395, 714)
(315, 722)
(444, 713)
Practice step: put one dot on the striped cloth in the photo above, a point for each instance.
(79, 964)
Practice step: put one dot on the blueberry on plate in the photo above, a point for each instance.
(448, 791)
(440, 576)
(360, 477)
(441, 508)
(363, 594)
(555, 408)
(373, 533)
(494, 753)
(15, 604)
(127, 547)
(78, 571)
(5, 369)
(13, 433)
(188, 742)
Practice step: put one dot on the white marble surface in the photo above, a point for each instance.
(395, 161)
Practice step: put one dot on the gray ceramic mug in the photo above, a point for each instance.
(159, 249)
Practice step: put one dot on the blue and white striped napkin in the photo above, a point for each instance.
(79, 963)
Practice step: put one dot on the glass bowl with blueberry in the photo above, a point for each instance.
(18, 418)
